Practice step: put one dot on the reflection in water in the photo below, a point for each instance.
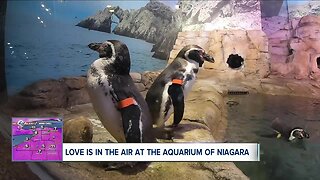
(280, 159)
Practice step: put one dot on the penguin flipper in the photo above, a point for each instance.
(131, 116)
(176, 93)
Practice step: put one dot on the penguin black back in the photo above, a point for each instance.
(168, 91)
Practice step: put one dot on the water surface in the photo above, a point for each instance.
(280, 159)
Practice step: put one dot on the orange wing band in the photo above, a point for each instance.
(126, 102)
(177, 81)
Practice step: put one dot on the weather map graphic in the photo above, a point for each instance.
(37, 139)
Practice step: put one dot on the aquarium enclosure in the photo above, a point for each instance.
(266, 69)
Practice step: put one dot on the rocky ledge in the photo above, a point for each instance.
(204, 121)
(66, 92)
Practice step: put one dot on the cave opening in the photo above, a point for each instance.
(235, 61)
(318, 62)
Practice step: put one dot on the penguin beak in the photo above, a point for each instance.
(305, 134)
(207, 57)
(94, 46)
(302, 134)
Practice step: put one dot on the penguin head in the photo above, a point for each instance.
(298, 133)
(115, 53)
(195, 53)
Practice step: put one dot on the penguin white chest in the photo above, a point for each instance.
(189, 80)
(105, 105)
(189, 77)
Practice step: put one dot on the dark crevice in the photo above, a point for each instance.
(318, 62)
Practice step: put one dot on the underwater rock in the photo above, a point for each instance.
(78, 130)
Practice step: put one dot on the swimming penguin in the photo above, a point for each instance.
(116, 100)
(166, 95)
(289, 133)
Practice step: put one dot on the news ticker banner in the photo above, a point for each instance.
(169, 152)
(41, 139)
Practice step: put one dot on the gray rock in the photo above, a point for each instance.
(152, 23)
(43, 94)
(136, 77)
(76, 97)
(75, 83)
(149, 77)
(99, 22)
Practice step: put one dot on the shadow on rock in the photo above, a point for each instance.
(183, 128)
(126, 168)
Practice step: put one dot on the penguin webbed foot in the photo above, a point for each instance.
(165, 134)
(173, 126)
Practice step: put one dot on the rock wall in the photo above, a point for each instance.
(66, 92)
(100, 22)
(251, 45)
(309, 7)
(293, 46)
(157, 23)
(221, 14)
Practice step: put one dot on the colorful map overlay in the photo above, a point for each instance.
(37, 139)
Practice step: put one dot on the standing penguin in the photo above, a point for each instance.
(167, 93)
(116, 100)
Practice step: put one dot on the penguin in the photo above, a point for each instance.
(289, 133)
(116, 100)
(167, 93)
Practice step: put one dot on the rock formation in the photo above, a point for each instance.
(100, 22)
(154, 23)
(310, 7)
(252, 46)
(222, 14)
(293, 47)
(66, 92)
(157, 23)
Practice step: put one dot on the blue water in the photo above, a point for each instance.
(279, 159)
(56, 48)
